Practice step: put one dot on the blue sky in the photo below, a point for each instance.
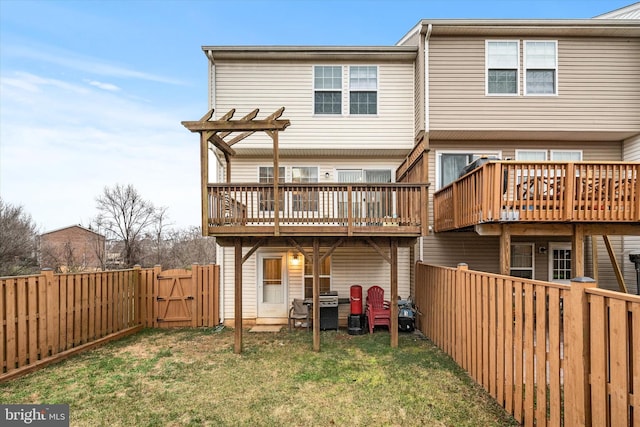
(92, 92)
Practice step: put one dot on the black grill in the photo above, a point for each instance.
(329, 310)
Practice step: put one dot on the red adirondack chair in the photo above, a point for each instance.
(378, 309)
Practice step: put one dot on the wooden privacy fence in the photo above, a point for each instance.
(48, 317)
(550, 354)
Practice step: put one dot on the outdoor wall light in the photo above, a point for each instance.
(295, 260)
(326, 175)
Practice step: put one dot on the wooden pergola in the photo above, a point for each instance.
(223, 133)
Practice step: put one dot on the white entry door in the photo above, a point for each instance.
(272, 285)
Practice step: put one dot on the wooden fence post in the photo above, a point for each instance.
(576, 346)
(157, 269)
(457, 329)
(53, 313)
(137, 295)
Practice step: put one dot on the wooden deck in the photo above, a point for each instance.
(396, 209)
(549, 192)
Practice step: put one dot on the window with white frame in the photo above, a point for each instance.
(531, 155)
(502, 64)
(327, 85)
(566, 155)
(363, 89)
(449, 165)
(325, 276)
(304, 199)
(541, 67)
(522, 260)
(266, 195)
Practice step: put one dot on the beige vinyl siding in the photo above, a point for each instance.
(249, 285)
(631, 148)
(419, 88)
(598, 88)
(349, 266)
(271, 85)
(631, 244)
(246, 170)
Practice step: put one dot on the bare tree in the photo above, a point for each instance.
(124, 215)
(18, 241)
(188, 246)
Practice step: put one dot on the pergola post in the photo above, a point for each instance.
(204, 181)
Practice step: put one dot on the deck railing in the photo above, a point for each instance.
(333, 206)
(501, 191)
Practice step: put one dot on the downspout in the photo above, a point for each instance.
(427, 36)
(219, 249)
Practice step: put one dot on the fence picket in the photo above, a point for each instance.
(541, 355)
(11, 323)
(598, 320)
(32, 317)
(619, 390)
(22, 332)
(555, 326)
(529, 362)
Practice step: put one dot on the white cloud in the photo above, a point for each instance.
(62, 143)
(104, 86)
(67, 59)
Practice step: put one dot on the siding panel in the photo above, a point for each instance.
(592, 74)
(269, 86)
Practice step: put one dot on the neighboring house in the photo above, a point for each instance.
(378, 133)
(72, 249)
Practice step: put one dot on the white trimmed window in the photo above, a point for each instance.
(363, 89)
(566, 155)
(522, 260)
(325, 276)
(327, 87)
(541, 67)
(266, 195)
(502, 66)
(449, 164)
(531, 155)
(304, 200)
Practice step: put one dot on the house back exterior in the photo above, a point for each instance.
(548, 100)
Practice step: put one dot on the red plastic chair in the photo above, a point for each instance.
(378, 309)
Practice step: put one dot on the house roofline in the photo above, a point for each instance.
(565, 27)
(72, 226)
(352, 53)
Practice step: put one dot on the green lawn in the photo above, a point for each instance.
(191, 377)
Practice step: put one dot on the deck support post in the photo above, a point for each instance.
(505, 250)
(237, 348)
(316, 294)
(394, 292)
(577, 254)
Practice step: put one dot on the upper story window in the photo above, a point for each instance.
(363, 89)
(541, 67)
(502, 67)
(327, 88)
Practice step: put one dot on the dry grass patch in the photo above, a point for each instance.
(191, 377)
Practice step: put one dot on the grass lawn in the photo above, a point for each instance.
(191, 377)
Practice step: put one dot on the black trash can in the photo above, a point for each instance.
(357, 324)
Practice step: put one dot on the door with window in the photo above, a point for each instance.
(370, 203)
(272, 285)
(560, 262)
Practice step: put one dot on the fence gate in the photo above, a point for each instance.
(174, 298)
